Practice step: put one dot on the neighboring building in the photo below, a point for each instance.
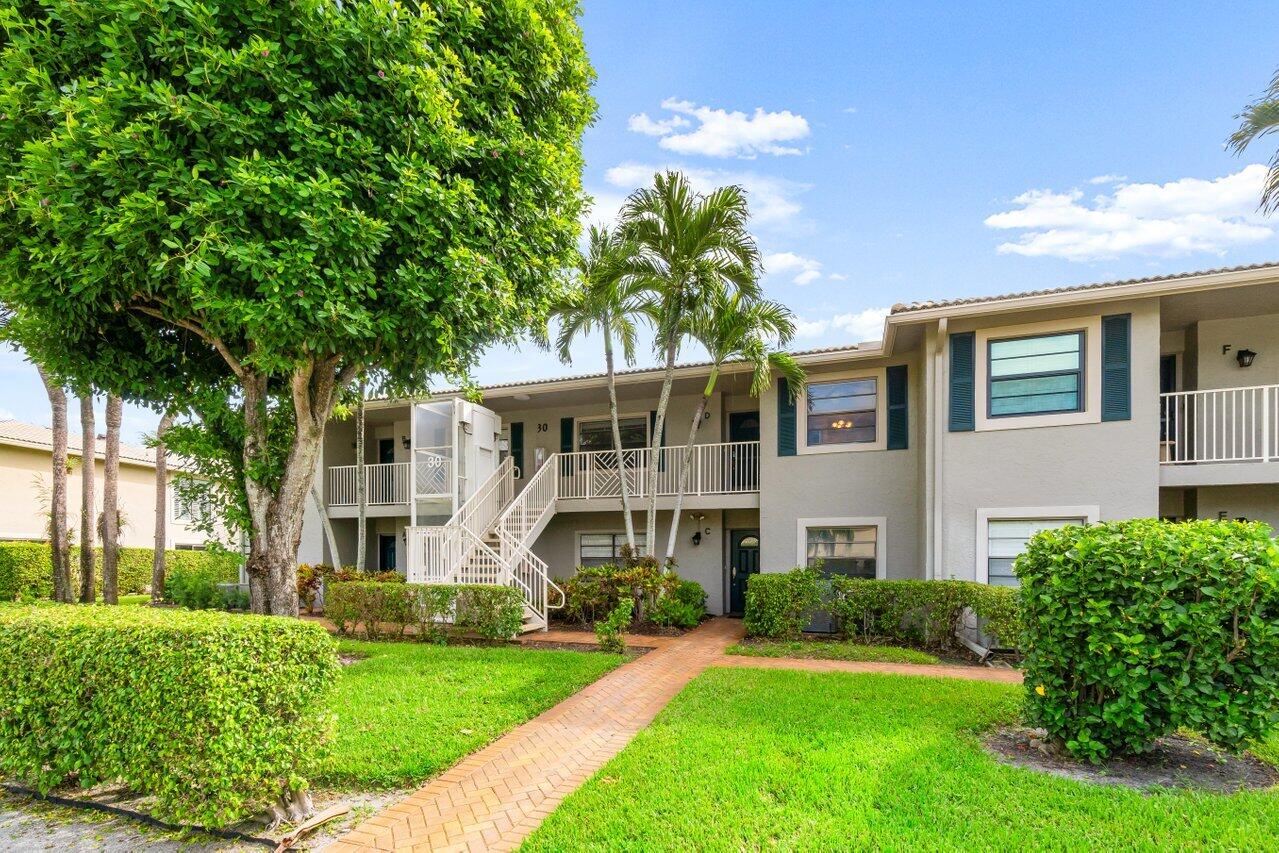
(26, 484)
(934, 453)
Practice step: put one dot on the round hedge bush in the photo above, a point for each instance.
(1132, 629)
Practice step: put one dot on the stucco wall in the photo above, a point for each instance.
(26, 480)
(1254, 502)
(1113, 466)
(855, 483)
(1215, 369)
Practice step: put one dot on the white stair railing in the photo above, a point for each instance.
(434, 552)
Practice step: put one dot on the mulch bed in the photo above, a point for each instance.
(1173, 762)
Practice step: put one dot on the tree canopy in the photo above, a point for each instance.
(283, 196)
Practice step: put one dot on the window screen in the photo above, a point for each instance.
(1007, 539)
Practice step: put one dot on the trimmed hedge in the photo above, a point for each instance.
(26, 569)
(908, 612)
(1133, 629)
(493, 612)
(216, 716)
(659, 594)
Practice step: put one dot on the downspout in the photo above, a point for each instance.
(941, 375)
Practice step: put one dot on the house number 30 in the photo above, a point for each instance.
(542, 427)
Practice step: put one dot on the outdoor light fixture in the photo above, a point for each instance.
(404, 440)
(1245, 357)
(698, 517)
(697, 538)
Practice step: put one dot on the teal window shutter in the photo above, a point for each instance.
(785, 419)
(963, 363)
(652, 426)
(1116, 367)
(898, 415)
(517, 446)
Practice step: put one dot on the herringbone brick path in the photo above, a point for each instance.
(494, 798)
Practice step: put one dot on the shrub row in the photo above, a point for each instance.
(493, 612)
(312, 578)
(657, 594)
(910, 612)
(216, 716)
(1133, 629)
(26, 568)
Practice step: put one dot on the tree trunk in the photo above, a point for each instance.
(361, 492)
(617, 440)
(685, 463)
(655, 443)
(161, 509)
(326, 522)
(58, 543)
(88, 514)
(111, 505)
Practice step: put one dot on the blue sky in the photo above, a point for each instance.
(907, 151)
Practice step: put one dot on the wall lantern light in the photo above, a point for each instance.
(1245, 357)
(404, 440)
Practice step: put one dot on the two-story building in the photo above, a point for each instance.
(933, 453)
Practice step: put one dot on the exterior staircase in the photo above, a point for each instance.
(489, 540)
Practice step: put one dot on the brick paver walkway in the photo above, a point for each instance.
(972, 673)
(494, 798)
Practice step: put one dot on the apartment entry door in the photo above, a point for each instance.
(743, 561)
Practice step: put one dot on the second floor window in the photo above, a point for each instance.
(841, 412)
(1036, 376)
(598, 435)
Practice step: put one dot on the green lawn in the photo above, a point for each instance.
(140, 598)
(828, 650)
(407, 711)
(763, 759)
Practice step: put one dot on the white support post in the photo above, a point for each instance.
(1267, 440)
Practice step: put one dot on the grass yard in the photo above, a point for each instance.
(407, 711)
(755, 759)
(828, 650)
(136, 599)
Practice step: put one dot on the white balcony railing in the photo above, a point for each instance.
(1219, 425)
(714, 469)
(384, 484)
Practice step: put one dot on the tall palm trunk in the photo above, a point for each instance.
(325, 522)
(650, 529)
(617, 438)
(88, 515)
(58, 543)
(111, 504)
(361, 496)
(161, 509)
(686, 459)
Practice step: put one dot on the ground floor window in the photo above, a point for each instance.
(848, 551)
(1006, 540)
(600, 549)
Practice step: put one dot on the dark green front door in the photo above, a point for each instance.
(743, 562)
(385, 552)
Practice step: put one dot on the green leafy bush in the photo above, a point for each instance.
(682, 607)
(919, 613)
(593, 592)
(26, 570)
(1133, 629)
(608, 632)
(493, 612)
(197, 584)
(216, 716)
(780, 604)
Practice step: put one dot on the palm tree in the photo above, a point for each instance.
(1259, 119)
(361, 494)
(111, 504)
(58, 541)
(161, 508)
(734, 328)
(606, 299)
(689, 246)
(88, 515)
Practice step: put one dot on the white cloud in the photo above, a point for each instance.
(1108, 179)
(837, 276)
(773, 201)
(854, 327)
(720, 133)
(805, 270)
(1176, 218)
(850, 110)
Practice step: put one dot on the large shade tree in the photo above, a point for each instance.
(274, 198)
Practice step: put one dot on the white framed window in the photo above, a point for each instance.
(851, 546)
(597, 433)
(1038, 374)
(1002, 535)
(604, 548)
(842, 412)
